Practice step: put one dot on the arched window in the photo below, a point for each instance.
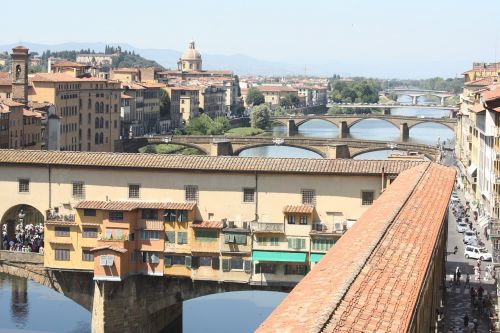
(101, 138)
(96, 122)
(97, 138)
(102, 123)
(102, 107)
(89, 134)
(96, 107)
(107, 124)
(18, 72)
(90, 104)
(90, 119)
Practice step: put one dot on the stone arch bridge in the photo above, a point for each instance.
(345, 122)
(140, 303)
(224, 146)
(415, 93)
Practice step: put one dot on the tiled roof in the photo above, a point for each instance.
(370, 280)
(275, 89)
(207, 225)
(484, 81)
(61, 77)
(492, 94)
(10, 102)
(132, 205)
(109, 247)
(204, 163)
(67, 63)
(299, 209)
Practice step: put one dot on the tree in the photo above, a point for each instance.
(255, 97)
(164, 103)
(289, 101)
(277, 110)
(204, 125)
(219, 126)
(260, 117)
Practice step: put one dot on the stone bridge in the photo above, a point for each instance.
(416, 93)
(140, 303)
(345, 122)
(224, 146)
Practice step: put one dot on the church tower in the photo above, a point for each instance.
(19, 73)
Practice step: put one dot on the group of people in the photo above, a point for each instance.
(27, 238)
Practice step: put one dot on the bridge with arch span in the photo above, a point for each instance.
(345, 122)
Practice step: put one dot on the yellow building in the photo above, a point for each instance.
(184, 103)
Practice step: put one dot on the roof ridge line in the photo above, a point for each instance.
(370, 249)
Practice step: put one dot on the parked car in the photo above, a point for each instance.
(468, 236)
(454, 199)
(462, 227)
(475, 252)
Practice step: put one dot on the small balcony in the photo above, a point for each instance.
(53, 217)
(323, 229)
(264, 227)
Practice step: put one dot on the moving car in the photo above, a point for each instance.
(462, 227)
(469, 236)
(475, 252)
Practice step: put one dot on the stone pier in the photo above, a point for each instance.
(292, 128)
(404, 132)
(343, 130)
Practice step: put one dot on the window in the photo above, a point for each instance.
(303, 219)
(206, 235)
(116, 215)
(89, 233)
(62, 254)
(170, 216)
(191, 193)
(296, 243)
(308, 197)
(174, 260)
(367, 198)
(62, 231)
(87, 255)
(236, 263)
(170, 236)
(89, 212)
(149, 214)
(182, 215)
(295, 269)
(205, 261)
(182, 237)
(150, 235)
(265, 268)
(322, 244)
(291, 219)
(235, 239)
(134, 191)
(79, 190)
(24, 185)
(150, 257)
(248, 195)
(271, 241)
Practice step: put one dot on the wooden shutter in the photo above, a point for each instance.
(103, 260)
(215, 263)
(170, 236)
(188, 261)
(226, 265)
(247, 266)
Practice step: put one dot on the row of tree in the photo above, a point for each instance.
(256, 97)
(354, 91)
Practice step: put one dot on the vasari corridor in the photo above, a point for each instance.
(250, 166)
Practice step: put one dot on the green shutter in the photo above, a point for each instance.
(241, 239)
(170, 236)
(290, 243)
(303, 243)
(226, 265)
(247, 266)
(167, 260)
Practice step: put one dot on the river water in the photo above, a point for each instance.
(369, 129)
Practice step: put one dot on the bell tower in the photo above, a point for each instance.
(19, 73)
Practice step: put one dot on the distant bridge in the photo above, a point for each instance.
(388, 107)
(327, 148)
(416, 93)
(345, 122)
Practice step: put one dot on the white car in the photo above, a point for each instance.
(475, 252)
(469, 236)
(462, 227)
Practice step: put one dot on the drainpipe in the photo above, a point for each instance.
(50, 185)
(383, 176)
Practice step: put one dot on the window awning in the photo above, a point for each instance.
(279, 256)
(471, 170)
(315, 257)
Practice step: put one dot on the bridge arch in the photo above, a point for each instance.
(21, 214)
(369, 150)
(328, 120)
(450, 126)
(202, 150)
(311, 149)
(357, 121)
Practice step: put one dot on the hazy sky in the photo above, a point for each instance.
(445, 35)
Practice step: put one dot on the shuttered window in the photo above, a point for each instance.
(170, 236)
(322, 244)
(206, 236)
(235, 239)
(182, 237)
(296, 243)
(62, 231)
(62, 254)
(87, 255)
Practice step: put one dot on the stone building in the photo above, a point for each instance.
(190, 60)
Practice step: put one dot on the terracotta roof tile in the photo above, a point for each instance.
(150, 225)
(207, 225)
(299, 209)
(109, 247)
(383, 259)
(205, 163)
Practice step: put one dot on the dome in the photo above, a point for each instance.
(191, 53)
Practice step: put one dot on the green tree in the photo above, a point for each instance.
(260, 116)
(289, 101)
(219, 126)
(277, 110)
(204, 125)
(164, 103)
(255, 97)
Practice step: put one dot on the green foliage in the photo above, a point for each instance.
(164, 103)
(204, 125)
(355, 91)
(244, 131)
(129, 59)
(277, 110)
(255, 97)
(260, 116)
(169, 149)
(238, 110)
(453, 85)
(289, 101)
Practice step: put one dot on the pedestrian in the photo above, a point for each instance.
(459, 274)
(467, 281)
(472, 295)
(466, 320)
(454, 278)
(480, 292)
(476, 324)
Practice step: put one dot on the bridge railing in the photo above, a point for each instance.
(21, 257)
(267, 227)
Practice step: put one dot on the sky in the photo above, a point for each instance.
(395, 37)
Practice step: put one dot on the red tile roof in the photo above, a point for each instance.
(132, 205)
(299, 209)
(61, 77)
(67, 63)
(370, 280)
(492, 94)
(204, 163)
(109, 247)
(207, 225)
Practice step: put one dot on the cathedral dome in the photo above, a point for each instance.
(191, 53)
